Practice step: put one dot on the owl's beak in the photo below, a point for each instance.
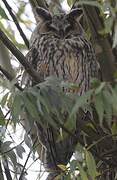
(61, 33)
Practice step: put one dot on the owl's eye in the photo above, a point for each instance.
(68, 28)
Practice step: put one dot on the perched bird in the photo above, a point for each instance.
(58, 47)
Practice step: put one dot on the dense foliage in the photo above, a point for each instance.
(96, 151)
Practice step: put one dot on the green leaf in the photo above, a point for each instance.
(62, 167)
(114, 99)
(95, 83)
(114, 128)
(108, 24)
(9, 32)
(6, 146)
(20, 150)
(3, 14)
(2, 120)
(2, 134)
(91, 165)
(115, 36)
(21, 9)
(11, 154)
(27, 140)
(43, 98)
(7, 150)
(39, 106)
(73, 165)
(99, 106)
(89, 2)
(81, 101)
(16, 107)
(70, 2)
(4, 100)
(30, 105)
(107, 100)
(100, 88)
(82, 172)
(71, 123)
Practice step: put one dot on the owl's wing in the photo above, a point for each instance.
(31, 58)
(93, 65)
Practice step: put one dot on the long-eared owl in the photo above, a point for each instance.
(58, 47)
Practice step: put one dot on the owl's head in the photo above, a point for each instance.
(61, 24)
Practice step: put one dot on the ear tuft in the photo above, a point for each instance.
(76, 13)
(43, 13)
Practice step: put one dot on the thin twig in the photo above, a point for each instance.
(5, 152)
(21, 58)
(111, 151)
(7, 75)
(22, 173)
(16, 23)
(33, 163)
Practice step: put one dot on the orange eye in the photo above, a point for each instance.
(68, 28)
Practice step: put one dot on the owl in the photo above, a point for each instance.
(59, 48)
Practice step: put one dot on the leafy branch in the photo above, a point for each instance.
(16, 23)
(21, 58)
(9, 77)
(22, 173)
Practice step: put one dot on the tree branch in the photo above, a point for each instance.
(21, 58)
(5, 60)
(16, 23)
(7, 171)
(1, 172)
(9, 77)
(106, 57)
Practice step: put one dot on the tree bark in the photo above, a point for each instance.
(106, 57)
